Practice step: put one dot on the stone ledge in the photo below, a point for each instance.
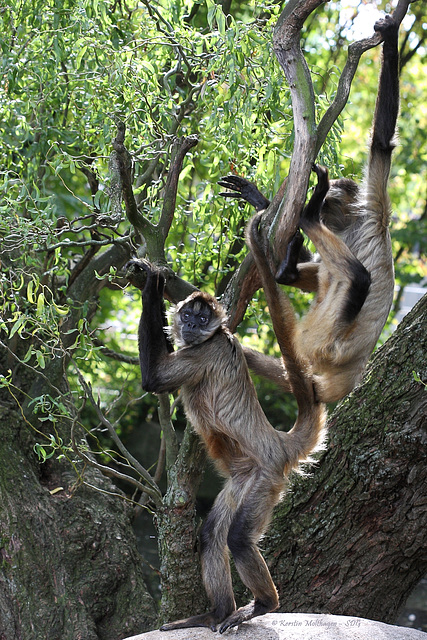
(296, 626)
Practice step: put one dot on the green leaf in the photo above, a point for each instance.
(40, 304)
(40, 359)
(20, 322)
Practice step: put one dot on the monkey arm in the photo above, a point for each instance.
(154, 345)
(162, 368)
(267, 367)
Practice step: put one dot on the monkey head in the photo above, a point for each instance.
(196, 319)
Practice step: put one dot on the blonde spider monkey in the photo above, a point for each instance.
(220, 401)
(354, 278)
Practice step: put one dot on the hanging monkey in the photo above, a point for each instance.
(354, 278)
(220, 401)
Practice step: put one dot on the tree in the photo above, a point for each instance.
(112, 141)
(350, 540)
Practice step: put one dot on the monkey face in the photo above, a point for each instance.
(196, 319)
(195, 322)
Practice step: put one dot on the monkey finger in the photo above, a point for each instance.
(229, 194)
(234, 181)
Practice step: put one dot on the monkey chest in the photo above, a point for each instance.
(211, 417)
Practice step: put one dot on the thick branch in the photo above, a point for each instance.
(286, 45)
(362, 552)
(355, 50)
(180, 148)
(121, 178)
(308, 140)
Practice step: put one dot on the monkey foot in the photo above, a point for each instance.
(209, 620)
(387, 27)
(287, 272)
(242, 188)
(251, 610)
(322, 177)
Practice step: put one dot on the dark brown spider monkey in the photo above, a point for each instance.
(220, 401)
(354, 278)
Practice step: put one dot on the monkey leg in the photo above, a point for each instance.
(290, 271)
(344, 268)
(215, 566)
(341, 263)
(249, 523)
(293, 270)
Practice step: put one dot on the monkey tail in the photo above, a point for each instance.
(306, 436)
(307, 433)
(283, 318)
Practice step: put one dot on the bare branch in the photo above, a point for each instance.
(180, 148)
(308, 138)
(169, 435)
(355, 50)
(286, 45)
(108, 471)
(121, 170)
(109, 353)
(152, 488)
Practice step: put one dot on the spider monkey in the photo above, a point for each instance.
(220, 401)
(354, 278)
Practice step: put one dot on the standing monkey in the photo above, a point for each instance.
(220, 401)
(354, 279)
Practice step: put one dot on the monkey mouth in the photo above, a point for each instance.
(191, 337)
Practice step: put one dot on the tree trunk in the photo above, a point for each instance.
(182, 587)
(351, 538)
(69, 566)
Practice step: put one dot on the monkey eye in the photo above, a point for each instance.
(185, 316)
(204, 319)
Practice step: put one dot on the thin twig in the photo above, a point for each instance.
(152, 489)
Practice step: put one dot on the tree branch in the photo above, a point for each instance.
(181, 147)
(121, 182)
(355, 51)
(308, 138)
(152, 489)
(286, 45)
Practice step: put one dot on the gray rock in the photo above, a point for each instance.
(296, 626)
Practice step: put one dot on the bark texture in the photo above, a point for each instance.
(351, 538)
(69, 566)
(183, 593)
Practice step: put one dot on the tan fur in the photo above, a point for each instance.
(221, 403)
(353, 224)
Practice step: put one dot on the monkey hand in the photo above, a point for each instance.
(387, 27)
(242, 188)
(138, 272)
(322, 174)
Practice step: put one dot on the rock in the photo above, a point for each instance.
(296, 626)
